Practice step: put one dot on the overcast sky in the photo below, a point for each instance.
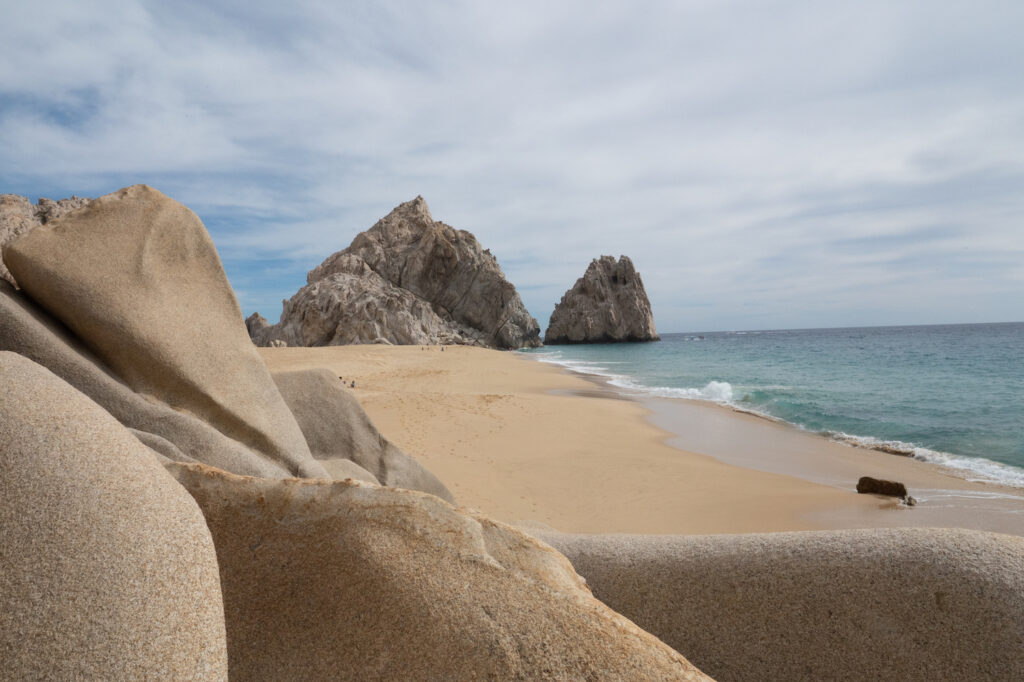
(764, 164)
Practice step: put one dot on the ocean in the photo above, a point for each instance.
(950, 394)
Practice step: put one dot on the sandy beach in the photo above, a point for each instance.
(528, 442)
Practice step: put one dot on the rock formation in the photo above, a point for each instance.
(107, 567)
(607, 305)
(342, 580)
(27, 330)
(136, 277)
(407, 280)
(340, 433)
(902, 604)
(18, 216)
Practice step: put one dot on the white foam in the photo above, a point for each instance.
(974, 469)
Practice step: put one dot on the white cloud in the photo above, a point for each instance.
(764, 165)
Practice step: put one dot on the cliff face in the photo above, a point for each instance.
(607, 304)
(407, 280)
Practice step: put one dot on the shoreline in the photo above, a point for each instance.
(528, 441)
(742, 438)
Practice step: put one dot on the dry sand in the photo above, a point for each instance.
(524, 441)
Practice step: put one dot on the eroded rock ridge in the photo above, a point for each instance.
(607, 304)
(409, 279)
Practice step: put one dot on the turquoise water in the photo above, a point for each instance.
(952, 394)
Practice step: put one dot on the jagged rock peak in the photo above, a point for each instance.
(607, 304)
(409, 279)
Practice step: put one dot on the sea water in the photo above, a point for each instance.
(951, 394)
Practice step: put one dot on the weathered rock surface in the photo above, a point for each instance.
(18, 216)
(607, 304)
(337, 430)
(877, 486)
(407, 280)
(27, 330)
(906, 604)
(136, 277)
(107, 568)
(342, 580)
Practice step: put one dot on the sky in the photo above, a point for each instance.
(765, 165)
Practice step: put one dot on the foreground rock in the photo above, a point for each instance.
(340, 434)
(407, 280)
(136, 277)
(607, 305)
(107, 568)
(907, 604)
(338, 580)
(27, 330)
(18, 216)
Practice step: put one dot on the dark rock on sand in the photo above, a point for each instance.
(607, 304)
(407, 280)
(875, 486)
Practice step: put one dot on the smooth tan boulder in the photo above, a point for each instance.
(901, 604)
(136, 277)
(107, 568)
(337, 429)
(347, 581)
(27, 330)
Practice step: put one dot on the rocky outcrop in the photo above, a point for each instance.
(607, 305)
(125, 273)
(343, 580)
(407, 280)
(107, 567)
(903, 604)
(18, 216)
(255, 324)
(340, 433)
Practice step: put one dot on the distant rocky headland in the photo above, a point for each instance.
(608, 304)
(409, 279)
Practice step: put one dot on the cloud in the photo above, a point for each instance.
(764, 166)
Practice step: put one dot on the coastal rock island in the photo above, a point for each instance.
(408, 280)
(608, 304)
